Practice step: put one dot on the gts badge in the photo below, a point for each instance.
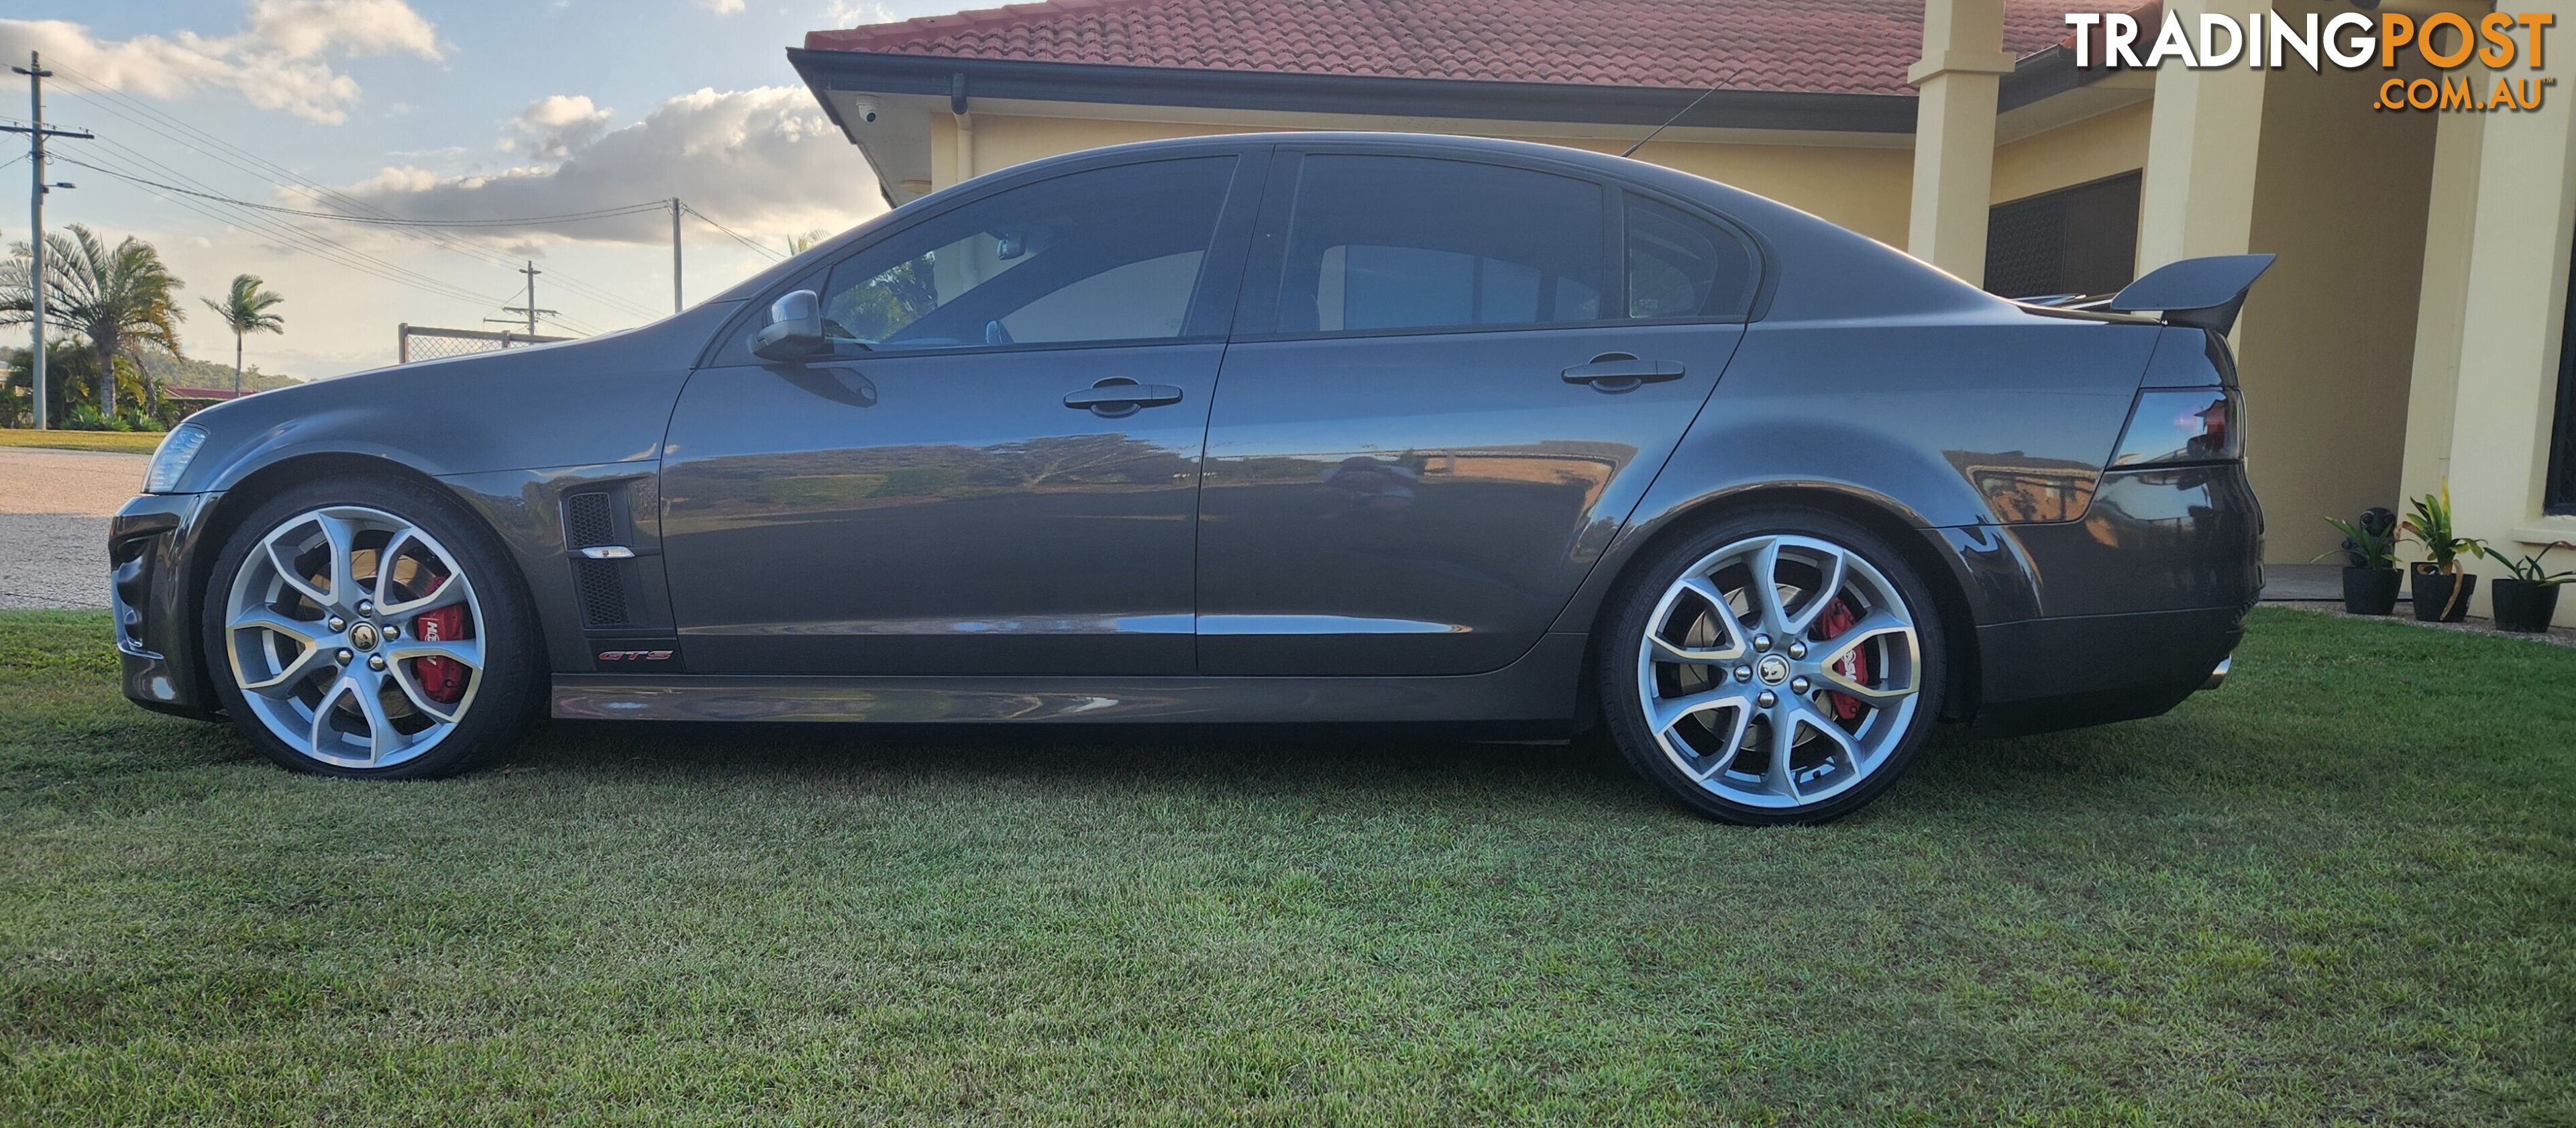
(634, 655)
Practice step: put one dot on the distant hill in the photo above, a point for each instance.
(183, 372)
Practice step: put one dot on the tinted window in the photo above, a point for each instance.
(2080, 240)
(1415, 243)
(1679, 266)
(1107, 255)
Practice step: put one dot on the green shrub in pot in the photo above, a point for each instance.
(2442, 589)
(2369, 551)
(2527, 601)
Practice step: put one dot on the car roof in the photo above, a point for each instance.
(1820, 270)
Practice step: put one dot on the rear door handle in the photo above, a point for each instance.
(1119, 396)
(1618, 372)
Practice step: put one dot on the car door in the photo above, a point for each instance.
(1450, 383)
(994, 471)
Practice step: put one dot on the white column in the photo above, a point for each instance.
(2513, 308)
(2433, 380)
(1954, 133)
(2197, 197)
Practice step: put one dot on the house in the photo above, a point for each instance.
(2412, 331)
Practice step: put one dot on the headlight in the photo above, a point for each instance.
(171, 461)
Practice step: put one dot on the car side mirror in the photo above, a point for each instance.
(795, 329)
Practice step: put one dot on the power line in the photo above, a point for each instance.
(224, 152)
(529, 221)
(294, 238)
(735, 235)
(297, 239)
(430, 237)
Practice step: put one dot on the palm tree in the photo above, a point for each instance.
(244, 310)
(117, 297)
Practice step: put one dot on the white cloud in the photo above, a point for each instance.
(282, 59)
(553, 126)
(721, 7)
(858, 13)
(765, 162)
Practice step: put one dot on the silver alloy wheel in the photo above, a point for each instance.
(322, 628)
(1758, 688)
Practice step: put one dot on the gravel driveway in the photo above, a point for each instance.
(54, 506)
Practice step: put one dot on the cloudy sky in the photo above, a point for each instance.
(455, 109)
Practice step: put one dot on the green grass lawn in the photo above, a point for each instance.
(130, 442)
(2342, 889)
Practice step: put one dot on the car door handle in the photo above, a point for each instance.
(1618, 372)
(1119, 396)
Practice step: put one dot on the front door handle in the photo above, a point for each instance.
(1619, 372)
(1119, 396)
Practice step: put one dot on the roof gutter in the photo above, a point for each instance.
(1348, 94)
(2048, 72)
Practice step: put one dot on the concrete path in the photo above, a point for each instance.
(54, 506)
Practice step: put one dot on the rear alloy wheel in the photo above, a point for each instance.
(360, 630)
(1781, 667)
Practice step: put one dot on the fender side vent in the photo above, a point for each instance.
(602, 585)
(588, 520)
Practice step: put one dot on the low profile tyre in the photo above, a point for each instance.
(1781, 666)
(371, 627)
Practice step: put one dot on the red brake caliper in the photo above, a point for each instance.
(442, 679)
(1839, 618)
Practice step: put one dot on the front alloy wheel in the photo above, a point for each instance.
(1779, 668)
(352, 639)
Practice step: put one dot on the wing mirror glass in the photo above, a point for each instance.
(795, 329)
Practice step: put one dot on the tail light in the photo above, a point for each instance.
(2179, 426)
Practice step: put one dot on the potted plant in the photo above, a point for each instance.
(2369, 552)
(2441, 588)
(2529, 599)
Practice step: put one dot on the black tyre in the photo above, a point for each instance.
(371, 627)
(1795, 700)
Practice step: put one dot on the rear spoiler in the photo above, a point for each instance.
(2204, 293)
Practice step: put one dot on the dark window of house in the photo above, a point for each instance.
(2560, 497)
(1380, 243)
(2080, 240)
(1684, 267)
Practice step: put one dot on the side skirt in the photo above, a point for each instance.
(1540, 686)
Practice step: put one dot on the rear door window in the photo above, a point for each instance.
(1380, 243)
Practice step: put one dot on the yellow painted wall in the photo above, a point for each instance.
(1867, 190)
(2523, 205)
(2079, 152)
(1863, 189)
(2327, 343)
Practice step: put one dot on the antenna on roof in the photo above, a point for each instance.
(1668, 122)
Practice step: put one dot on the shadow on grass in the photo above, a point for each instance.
(1953, 774)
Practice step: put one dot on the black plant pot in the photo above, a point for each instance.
(2370, 591)
(2523, 606)
(2434, 600)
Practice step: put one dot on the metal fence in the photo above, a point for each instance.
(421, 342)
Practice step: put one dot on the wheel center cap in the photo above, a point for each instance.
(363, 636)
(1772, 669)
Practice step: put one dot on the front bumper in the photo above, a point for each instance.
(154, 548)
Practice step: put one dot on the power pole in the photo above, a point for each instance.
(531, 310)
(675, 254)
(36, 189)
(531, 271)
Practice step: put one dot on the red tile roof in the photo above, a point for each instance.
(1841, 46)
(173, 391)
